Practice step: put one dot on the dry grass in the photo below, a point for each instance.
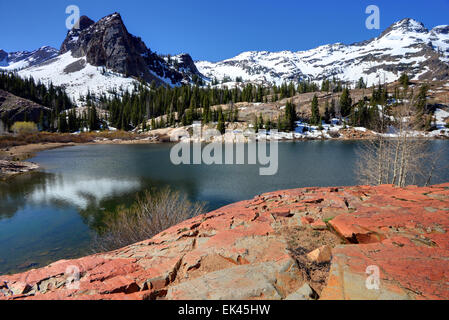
(152, 213)
(8, 141)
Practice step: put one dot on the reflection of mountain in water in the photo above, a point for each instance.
(60, 190)
(91, 197)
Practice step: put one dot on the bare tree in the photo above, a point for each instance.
(152, 213)
(398, 155)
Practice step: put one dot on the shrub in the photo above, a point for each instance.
(152, 213)
(24, 127)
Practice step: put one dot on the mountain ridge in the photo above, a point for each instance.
(326, 60)
(17, 60)
(103, 57)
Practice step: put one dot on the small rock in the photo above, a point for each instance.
(303, 293)
(319, 225)
(19, 288)
(320, 255)
(286, 213)
(307, 220)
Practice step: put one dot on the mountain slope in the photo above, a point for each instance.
(24, 59)
(78, 77)
(405, 46)
(15, 108)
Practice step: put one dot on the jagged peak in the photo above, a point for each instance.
(47, 48)
(442, 29)
(406, 25)
(85, 22)
(111, 17)
(410, 24)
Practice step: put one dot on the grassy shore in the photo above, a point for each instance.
(23, 146)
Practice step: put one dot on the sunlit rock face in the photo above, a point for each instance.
(107, 43)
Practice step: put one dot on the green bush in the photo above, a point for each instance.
(24, 127)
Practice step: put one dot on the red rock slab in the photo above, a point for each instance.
(237, 235)
(402, 231)
(392, 212)
(406, 271)
(319, 225)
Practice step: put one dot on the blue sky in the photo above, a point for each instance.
(215, 30)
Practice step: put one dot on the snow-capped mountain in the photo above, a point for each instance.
(24, 59)
(102, 57)
(107, 43)
(405, 46)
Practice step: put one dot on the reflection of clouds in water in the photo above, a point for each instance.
(80, 191)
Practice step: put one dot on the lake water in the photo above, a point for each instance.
(52, 215)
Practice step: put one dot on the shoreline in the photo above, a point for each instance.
(13, 159)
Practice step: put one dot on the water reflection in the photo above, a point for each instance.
(81, 191)
(59, 190)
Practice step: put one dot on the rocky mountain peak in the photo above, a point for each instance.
(183, 63)
(85, 22)
(3, 55)
(406, 25)
(108, 43)
(410, 25)
(441, 29)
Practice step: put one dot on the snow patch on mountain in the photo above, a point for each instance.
(78, 77)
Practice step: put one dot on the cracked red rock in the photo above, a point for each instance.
(239, 251)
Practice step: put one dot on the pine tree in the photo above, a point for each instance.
(421, 107)
(93, 120)
(153, 124)
(221, 122)
(327, 114)
(261, 122)
(290, 116)
(320, 125)
(62, 123)
(41, 120)
(315, 118)
(332, 111)
(361, 84)
(345, 102)
(404, 80)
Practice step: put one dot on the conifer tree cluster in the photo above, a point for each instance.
(52, 97)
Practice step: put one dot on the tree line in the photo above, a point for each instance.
(53, 97)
